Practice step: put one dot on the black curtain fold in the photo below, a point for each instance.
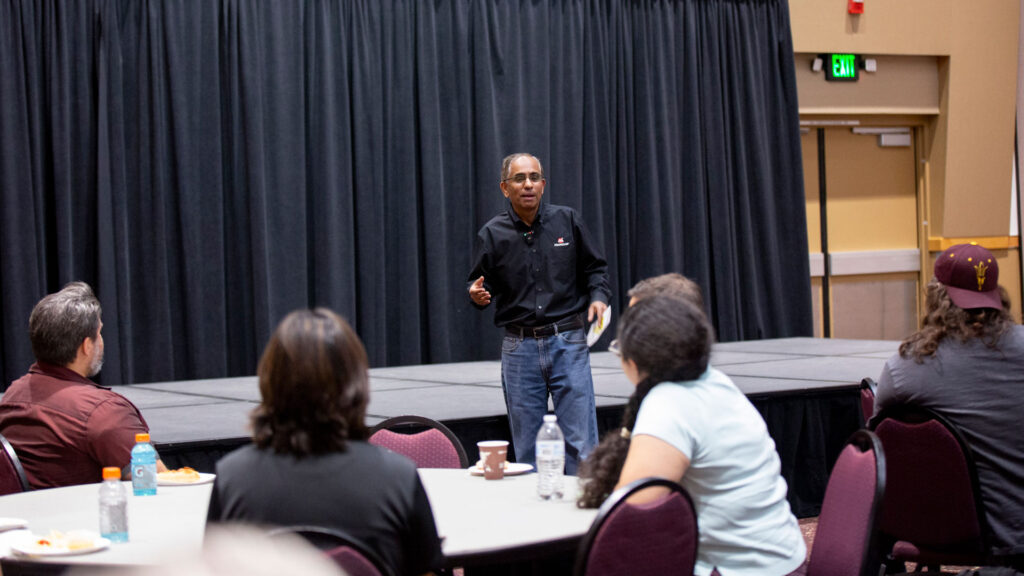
(210, 166)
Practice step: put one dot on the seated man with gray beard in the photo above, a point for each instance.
(65, 427)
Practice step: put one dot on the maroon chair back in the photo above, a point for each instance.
(434, 447)
(12, 475)
(352, 561)
(844, 543)
(933, 510)
(354, 557)
(655, 538)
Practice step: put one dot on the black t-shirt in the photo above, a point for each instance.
(542, 273)
(372, 494)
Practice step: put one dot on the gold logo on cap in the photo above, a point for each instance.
(980, 269)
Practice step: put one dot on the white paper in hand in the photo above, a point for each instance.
(597, 328)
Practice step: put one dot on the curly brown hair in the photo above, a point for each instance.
(670, 340)
(314, 385)
(946, 319)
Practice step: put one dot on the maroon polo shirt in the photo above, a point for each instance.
(66, 428)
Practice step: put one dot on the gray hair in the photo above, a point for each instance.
(506, 164)
(61, 321)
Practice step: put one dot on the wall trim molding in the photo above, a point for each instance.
(940, 243)
(871, 110)
(866, 262)
(817, 264)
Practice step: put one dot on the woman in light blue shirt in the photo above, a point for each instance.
(689, 423)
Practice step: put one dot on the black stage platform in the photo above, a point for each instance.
(806, 389)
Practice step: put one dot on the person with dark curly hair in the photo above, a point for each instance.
(687, 422)
(967, 363)
(309, 463)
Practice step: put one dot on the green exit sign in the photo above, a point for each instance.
(841, 67)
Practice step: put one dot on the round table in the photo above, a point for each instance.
(482, 522)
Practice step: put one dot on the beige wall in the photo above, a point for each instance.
(981, 114)
(887, 26)
(948, 68)
(906, 85)
(968, 144)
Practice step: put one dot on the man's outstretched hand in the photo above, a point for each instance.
(479, 294)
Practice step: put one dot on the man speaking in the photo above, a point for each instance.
(543, 270)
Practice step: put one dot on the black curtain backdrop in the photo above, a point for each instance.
(210, 166)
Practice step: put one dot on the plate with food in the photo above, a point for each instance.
(183, 477)
(12, 524)
(511, 469)
(60, 543)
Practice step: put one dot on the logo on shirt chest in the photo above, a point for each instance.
(561, 242)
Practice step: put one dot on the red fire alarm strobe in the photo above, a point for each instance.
(855, 6)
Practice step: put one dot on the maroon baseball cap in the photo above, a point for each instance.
(970, 274)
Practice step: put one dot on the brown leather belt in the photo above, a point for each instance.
(574, 322)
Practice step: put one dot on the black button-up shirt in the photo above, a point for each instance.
(542, 273)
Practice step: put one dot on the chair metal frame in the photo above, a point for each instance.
(12, 456)
(396, 423)
(871, 557)
(618, 498)
(867, 398)
(327, 539)
(909, 413)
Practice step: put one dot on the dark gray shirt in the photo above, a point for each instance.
(367, 492)
(981, 391)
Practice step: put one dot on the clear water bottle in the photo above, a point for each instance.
(550, 458)
(143, 466)
(113, 506)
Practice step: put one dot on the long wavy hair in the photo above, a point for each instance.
(670, 340)
(945, 319)
(314, 385)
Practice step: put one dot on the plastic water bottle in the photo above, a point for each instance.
(113, 506)
(550, 458)
(143, 466)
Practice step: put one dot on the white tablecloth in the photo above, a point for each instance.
(170, 523)
(477, 518)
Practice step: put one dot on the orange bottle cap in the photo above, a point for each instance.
(142, 437)
(111, 473)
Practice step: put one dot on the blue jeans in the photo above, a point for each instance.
(559, 364)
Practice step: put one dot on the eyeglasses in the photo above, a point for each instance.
(522, 176)
(613, 347)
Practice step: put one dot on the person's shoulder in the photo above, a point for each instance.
(713, 374)
(557, 210)
(711, 377)
(897, 361)
(667, 396)
(394, 473)
(711, 384)
(392, 462)
(239, 458)
(16, 389)
(106, 398)
(499, 220)
(1016, 335)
